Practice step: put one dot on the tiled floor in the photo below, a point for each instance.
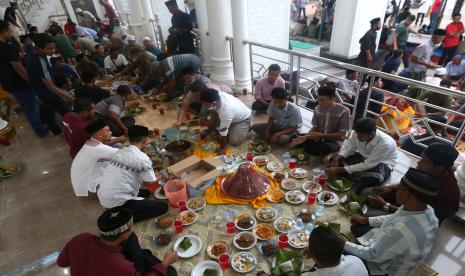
(39, 212)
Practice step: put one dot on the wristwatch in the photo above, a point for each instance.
(386, 207)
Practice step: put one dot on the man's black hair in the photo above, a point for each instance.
(398, 52)
(54, 60)
(198, 86)
(87, 76)
(274, 67)
(349, 71)
(411, 17)
(325, 246)
(447, 83)
(209, 95)
(188, 70)
(123, 90)
(97, 45)
(365, 125)
(60, 79)
(4, 26)
(114, 49)
(79, 57)
(41, 40)
(456, 14)
(279, 93)
(440, 32)
(82, 105)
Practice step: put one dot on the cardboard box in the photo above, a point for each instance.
(199, 170)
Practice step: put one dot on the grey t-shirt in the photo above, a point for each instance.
(113, 103)
(424, 53)
(287, 117)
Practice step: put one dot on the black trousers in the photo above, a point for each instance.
(369, 178)
(143, 259)
(259, 106)
(422, 15)
(146, 208)
(319, 147)
(52, 105)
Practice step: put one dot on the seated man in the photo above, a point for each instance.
(89, 90)
(326, 248)
(99, 56)
(438, 160)
(86, 65)
(439, 75)
(265, 85)
(376, 94)
(284, 120)
(87, 167)
(439, 130)
(190, 75)
(391, 65)
(61, 68)
(437, 99)
(140, 66)
(171, 69)
(115, 62)
(369, 156)
(401, 240)
(330, 125)
(74, 124)
(348, 87)
(127, 170)
(116, 251)
(232, 117)
(112, 108)
(191, 101)
(456, 68)
(149, 46)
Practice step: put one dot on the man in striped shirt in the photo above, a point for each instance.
(399, 242)
(171, 69)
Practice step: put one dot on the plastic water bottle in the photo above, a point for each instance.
(308, 229)
(299, 224)
(286, 157)
(320, 209)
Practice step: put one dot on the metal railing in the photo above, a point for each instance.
(416, 123)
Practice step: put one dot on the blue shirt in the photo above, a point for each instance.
(392, 64)
(287, 117)
(455, 70)
(37, 68)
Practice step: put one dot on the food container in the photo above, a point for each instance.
(175, 191)
(178, 150)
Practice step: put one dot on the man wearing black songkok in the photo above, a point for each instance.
(368, 44)
(437, 159)
(116, 251)
(401, 240)
(180, 39)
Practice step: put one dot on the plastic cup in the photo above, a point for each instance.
(182, 205)
(312, 198)
(178, 227)
(224, 260)
(154, 106)
(230, 227)
(322, 180)
(188, 116)
(202, 122)
(156, 131)
(161, 110)
(283, 241)
(244, 91)
(292, 164)
(249, 156)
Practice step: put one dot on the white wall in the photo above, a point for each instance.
(269, 24)
(351, 22)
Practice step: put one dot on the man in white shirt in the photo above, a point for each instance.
(233, 117)
(87, 167)
(368, 157)
(348, 88)
(399, 242)
(423, 11)
(456, 68)
(127, 170)
(115, 62)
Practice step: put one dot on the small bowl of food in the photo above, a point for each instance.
(163, 238)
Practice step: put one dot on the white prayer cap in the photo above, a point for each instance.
(440, 71)
(130, 37)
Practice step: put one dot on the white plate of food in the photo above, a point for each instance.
(266, 214)
(207, 268)
(289, 184)
(196, 204)
(160, 193)
(311, 187)
(245, 221)
(298, 239)
(328, 198)
(295, 197)
(243, 262)
(261, 160)
(188, 217)
(306, 215)
(275, 196)
(279, 176)
(244, 240)
(284, 224)
(264, 232)
(187, 246)
(216, 248)
(298, 173)
(275, 166)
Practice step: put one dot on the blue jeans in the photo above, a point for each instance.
(52, 105)
(28, 101)
(433, 19)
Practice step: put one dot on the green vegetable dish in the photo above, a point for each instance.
(185, 244)
(354, 204)
(288, 263)
(210, 272)
(300, 155)
(260, 148)
(335, 227)
(340, 184)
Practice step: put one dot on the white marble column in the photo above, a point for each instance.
(98, 9)
(241, 50)
(141, 11)
(70, 10)
(351, 22)
(220, 26)
(202, 23)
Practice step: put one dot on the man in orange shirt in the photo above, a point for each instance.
(454, 30)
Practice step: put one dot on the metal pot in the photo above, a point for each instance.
(178, 150)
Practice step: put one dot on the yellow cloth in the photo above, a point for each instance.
(397, 118)
(214, 194)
